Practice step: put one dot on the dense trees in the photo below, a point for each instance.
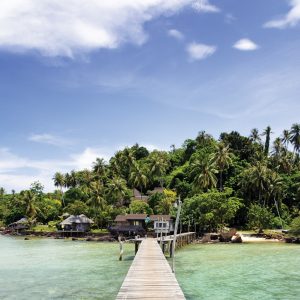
(236, 180)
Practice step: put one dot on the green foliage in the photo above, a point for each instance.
(140, 207)
(295, 227)
(259, 217)
(77, 208)
(256, 171)
(212, 210)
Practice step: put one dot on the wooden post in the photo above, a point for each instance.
(121, 247)
(175, 233)
(136, 246)
(171, 249)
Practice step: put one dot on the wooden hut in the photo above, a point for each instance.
(79, 223)
(20, 225)
(133, 224)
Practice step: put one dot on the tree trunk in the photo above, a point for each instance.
(221, 181)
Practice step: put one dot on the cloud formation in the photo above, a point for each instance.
(17, 172)
(198, 51)
(291, 19)
(176, 34)
(245, 45)
(65, 28)
(205, 6)
(49, 139)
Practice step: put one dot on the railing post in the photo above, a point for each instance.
(175, 233)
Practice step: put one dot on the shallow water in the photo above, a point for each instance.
(64, 269)
(61, 269)
(239, 271)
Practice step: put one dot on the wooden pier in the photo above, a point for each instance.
(150, 275)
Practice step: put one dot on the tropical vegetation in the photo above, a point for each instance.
(244, 181)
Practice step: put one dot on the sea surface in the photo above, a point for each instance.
(65, 269)
(250, 271)
(61, 269)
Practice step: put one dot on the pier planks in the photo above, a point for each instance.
(150, 276)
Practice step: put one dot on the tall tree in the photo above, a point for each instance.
(159, 163)
(267, 132)
(295, 137)
(59, 180)
(286, 136)
(29, 199)
(204, 174)
(254, 136)
(138, 177)
(117, 189)
(222, 159)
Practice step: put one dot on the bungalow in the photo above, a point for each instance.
(22, 224)
(133, 224)
(77, 223)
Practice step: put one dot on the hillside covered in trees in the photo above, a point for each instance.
(241, 181)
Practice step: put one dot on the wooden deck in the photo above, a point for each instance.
(150, 276)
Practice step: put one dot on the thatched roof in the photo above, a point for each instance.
(81, 219)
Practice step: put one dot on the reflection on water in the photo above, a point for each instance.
(61, 269)
(239, 271)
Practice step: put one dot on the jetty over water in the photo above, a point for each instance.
(150, 275)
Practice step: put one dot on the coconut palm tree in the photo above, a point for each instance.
(295, 137)
(138, 177)
(117, 189)
(267, 132)
(204, 174)
(59, 180)
(29, 199)
(286, 136)
(222, 158)
(275, 191)
(99, 167)
(158, 165)
(254, 136)
(258, 178)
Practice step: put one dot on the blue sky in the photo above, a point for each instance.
(80, 80)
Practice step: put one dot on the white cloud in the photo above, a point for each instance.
(200, 51)
(291, 19)
(245, 45)
(17, 172)
(175, 34)
(66, 28)
(50, 139)
(205, 6)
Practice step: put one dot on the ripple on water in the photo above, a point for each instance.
(239, 271)
(61, 269)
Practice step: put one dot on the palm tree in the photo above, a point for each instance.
(138, 177)
(222, 158)
(99, 167)
(29, 198)
(159, 163)
(96, 192)
(295, 137)
(59, 180)
(254, 136)
(275, 191)
(258, 178)
(286, 136)
(204, 174)
(267, 132)
(117, 189)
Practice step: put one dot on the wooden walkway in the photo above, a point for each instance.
(150, 276)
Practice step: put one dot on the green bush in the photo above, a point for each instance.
(295, 227)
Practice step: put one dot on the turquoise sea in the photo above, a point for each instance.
(250, 271)
(65, 269)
